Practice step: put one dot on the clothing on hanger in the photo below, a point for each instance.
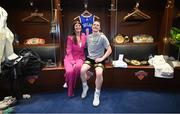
(35, 17)
(3, 17)
(86, 23)
(86, 19)
(6, 37)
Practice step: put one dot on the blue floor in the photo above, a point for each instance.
(112, 101)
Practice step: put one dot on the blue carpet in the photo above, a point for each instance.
(112, 101)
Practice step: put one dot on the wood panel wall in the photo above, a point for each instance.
(18, 9)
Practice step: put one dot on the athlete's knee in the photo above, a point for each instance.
(99, 74)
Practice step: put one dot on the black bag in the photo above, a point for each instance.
(31, 63)
(7, 68)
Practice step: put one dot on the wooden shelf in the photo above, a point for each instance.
(53, 68)
(130, 67)
(34, 45)
(156, 43)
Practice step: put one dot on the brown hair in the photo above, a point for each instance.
(73, 31)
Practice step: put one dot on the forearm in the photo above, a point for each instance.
(107, 53)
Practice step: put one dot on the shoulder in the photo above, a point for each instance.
(83, 36)
(69, 37)
(90, 35)
(102, 35)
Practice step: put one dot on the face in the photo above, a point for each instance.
(77, 27)
(96, 26)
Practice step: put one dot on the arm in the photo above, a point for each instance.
(107, 53)
(107, 46)
(69, 49)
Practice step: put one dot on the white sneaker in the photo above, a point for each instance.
(96, 100)
(84, 93)
(26, 96)
(65, 85)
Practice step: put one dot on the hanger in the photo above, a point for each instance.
(35, 17)
(76, 18)
(136, 13)
(86, 13)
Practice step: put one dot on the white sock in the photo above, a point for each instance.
(97, 91)
(85, 89)
(84, 83)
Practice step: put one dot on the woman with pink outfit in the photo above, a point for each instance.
(74, 57)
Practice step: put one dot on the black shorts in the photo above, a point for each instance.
(92, 63)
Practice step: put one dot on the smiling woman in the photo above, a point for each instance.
(74, 57)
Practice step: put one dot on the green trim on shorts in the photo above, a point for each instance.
(99, 65)
(88, 62)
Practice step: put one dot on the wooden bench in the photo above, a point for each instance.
(52, 79)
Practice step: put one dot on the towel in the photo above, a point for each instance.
(120, 62)
(162, 68)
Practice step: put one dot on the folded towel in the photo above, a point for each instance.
(162, 68)
(120, 62)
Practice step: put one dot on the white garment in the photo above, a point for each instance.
(3, 17)
(6, 37)
(120, 62)
(162, 68)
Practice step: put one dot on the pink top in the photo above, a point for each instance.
(75, 51)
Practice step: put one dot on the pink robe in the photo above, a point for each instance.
(73, 61)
